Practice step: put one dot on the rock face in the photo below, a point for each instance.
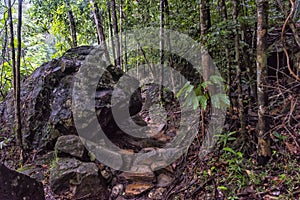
(80, 178)
(15, 186)
(46, 100)
(70, 145)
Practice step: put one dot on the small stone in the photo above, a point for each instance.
(71, 145)
(164, 180)
(147, 176)
(106, 174)
(117, 190)
(156, 193)
(137, 188)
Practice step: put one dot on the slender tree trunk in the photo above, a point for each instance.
(18, 78)
(224, 16)
(125, 40)
(263, 151)
(204, 25)
(236, 7)
(16, 72)
(161, 46)
(12, 45)
(99, 27)
(72, 26)
(115, 26)
(121, 35)
(223, 9)
(168, 44)
(125, 53)
(111, 33)
(4, 53)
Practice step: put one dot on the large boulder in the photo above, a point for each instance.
(83, 179)
(15, 186)
(46, 100)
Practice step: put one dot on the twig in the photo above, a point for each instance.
(283, 42)
(200, 187)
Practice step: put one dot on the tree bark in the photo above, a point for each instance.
(206, 72)
(263, 151)
(72, 27)
(12, 44)
(236, 7)
(121, 35)
(99, 28)
(161, 46)
(168, 44)
(16, 72)
(115, 26)
(224, 16)
(18, 78)
(204, 26)
(223, 9)
(4, 53)
(111, 33)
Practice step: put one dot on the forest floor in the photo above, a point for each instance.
(231, 170)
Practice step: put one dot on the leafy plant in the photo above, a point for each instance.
(5, 141)
(196, 96)
(225, 138)
(279, 137)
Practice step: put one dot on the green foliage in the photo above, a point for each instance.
(4, 142)
(198, 96)
(36, 47)
(57, 22)
(226, 137)
(193, 96)
(279, 137)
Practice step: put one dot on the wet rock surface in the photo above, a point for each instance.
(16, 186)
(59, 157)
(80, 178)
(46, 100)
(70, 145)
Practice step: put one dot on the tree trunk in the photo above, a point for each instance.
(223, 16)
(223, 9)
(16, 72)
(236, 7)
(121, 35)
(100, 30)
(115, 26)
(125, 53)
(263, 151)
(72, 27)
(3, 60)
(206, 72)
(204, 26)
(111, 33)
(18, 78)
(168, 44)
(12, 45)
(161, 46)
